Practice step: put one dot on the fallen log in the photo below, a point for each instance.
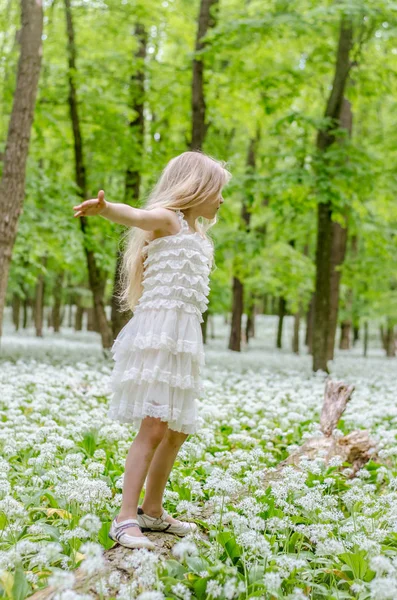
(356, 448)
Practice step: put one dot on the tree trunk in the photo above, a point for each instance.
(250, 324)
(390, 340)
(56, 310)
(383, 337)
(70, 314)
(325, 139)
(245, 219)
(97, 279)
(365, 349)
(309, 325)
(206, 21)
(78, 318)
(25, 312)
(345, 335)
(90, 319)
(134, 169)
(39, 300)
(281, 314)
(339, 245)
(295, 338)
(16, 306)
(12, 185)
(346, 325)
(338, 252)
(237, 313)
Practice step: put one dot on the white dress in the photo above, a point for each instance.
(159, 353)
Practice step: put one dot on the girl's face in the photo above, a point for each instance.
(210, 209)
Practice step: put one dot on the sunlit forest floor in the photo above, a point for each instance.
(320, 535)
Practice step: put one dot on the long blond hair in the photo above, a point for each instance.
(187, 181)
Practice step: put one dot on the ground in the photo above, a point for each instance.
(312, 535)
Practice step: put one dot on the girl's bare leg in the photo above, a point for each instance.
(138, 460)
(159, 471)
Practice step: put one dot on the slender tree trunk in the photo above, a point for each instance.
(383, 337)
(78, 322)
(250, 324)
(204, 329)
(56, 310)
(206, 21)
(134, 169)
(352, 316)
(25, 312)
(281, 314)
(365, 348)
(339, 245)
(39, 300)
(70, 314)
(238, 288)
(345, 330)
(97, 278)
(309, 325)
(295, 338)
(237, 313)
(12, 185)
(16, 306)
(90, 319)
(338, 252)
(325, 230)
(390, 340)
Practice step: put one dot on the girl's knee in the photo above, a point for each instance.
(153, 430)
(176, 437)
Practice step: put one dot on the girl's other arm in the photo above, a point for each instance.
(149, 220)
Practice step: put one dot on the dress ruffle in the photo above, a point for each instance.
(160, 328)
(176, 278)
(169, 304)
(184, 264)
(134, 401)
(178, 292)
(188, 240)
(189, 253)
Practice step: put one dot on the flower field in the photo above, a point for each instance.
(313, 534)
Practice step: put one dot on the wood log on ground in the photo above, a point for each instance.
(356, 448)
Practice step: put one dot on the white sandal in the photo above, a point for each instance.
(117, 534)
(148, 523)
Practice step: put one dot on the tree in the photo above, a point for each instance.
(325, 139)
(12, 185)
(97, 278)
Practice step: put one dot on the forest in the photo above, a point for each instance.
(299, 98)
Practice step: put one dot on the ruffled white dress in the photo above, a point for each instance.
(159, 353)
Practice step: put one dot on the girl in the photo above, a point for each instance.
(159, 353)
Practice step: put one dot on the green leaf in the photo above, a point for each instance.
(356, 562)
(21, 587)
(103, 536)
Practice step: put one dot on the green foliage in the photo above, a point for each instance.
(269, 68)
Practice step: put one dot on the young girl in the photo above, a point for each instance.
(159, 353)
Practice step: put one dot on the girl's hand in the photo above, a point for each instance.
(92, 207)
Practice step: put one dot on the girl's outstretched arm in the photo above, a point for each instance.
(149, 220)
